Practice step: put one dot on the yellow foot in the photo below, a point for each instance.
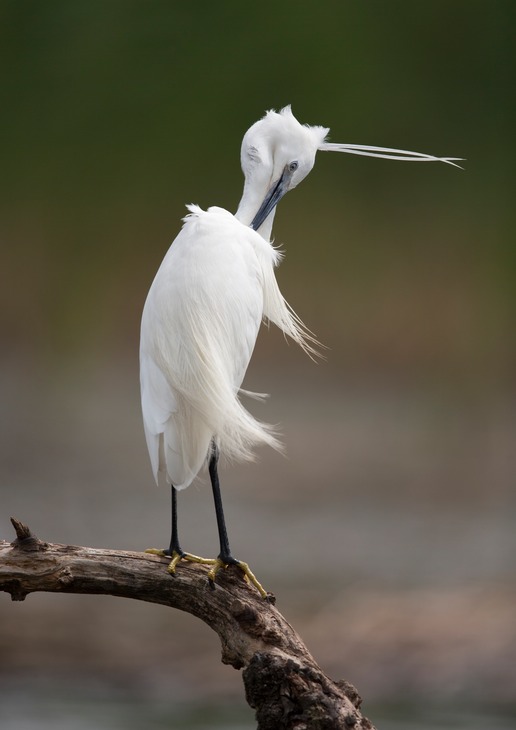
(246, 570)
(177, 557)
(216, 563)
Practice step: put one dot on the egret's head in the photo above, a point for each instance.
(278, 141)
(277, 153)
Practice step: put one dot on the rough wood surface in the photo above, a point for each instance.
(283, 682)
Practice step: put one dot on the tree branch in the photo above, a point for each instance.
(283, 682)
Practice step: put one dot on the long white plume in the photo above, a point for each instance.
(387, 153)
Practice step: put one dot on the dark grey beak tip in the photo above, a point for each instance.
(271, 200)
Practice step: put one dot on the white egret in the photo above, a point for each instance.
(202, 315)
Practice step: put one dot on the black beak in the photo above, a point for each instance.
(273, 197)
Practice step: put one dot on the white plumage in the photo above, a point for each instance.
(203, 312)
(199, 328)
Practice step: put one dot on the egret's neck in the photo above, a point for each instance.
(252, 198)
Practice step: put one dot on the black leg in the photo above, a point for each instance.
(174, 539)
(225, 553)
(225, 558)
(175, 550)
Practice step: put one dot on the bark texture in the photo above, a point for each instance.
(283, 682)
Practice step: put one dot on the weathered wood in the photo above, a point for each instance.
(283, 682)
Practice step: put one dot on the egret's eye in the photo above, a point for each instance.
(293, 166)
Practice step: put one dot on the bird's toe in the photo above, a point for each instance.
(249, 576)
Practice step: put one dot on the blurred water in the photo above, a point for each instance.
(23, 710)
(54, 712)
(421, 717)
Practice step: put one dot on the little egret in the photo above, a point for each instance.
(202, 315)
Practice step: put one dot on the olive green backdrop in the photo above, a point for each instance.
(116, 114)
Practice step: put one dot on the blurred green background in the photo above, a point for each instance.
(388, 533)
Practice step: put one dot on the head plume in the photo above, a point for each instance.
(386, 153)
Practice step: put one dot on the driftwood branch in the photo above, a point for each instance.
(283, 682)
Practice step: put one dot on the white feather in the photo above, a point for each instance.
(199, 327)
(387, 153)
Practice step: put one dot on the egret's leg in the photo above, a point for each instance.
(175, 551)
(225, 552)
(174, 539)
(225, 558)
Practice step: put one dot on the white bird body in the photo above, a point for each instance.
(199, 327)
